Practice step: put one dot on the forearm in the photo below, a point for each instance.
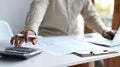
(36, 15)
(91, 18)
(95, 23)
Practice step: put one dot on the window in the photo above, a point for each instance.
(105, 10)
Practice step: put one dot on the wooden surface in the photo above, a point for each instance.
(87, 30)
(90, 64)
(116, 15)
(112, 62)
(80, 65)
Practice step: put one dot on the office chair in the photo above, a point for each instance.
(5, 31)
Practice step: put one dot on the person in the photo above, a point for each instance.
(59, 17)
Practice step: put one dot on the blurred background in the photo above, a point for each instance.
(105, 9)
(14, 12)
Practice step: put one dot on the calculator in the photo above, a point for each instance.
(20, 52)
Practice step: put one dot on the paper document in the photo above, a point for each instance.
(97, 50)
(62, 45)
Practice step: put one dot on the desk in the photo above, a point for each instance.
(48, 60)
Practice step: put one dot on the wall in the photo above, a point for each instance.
(14, 12)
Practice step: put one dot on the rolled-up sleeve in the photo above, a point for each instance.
(36, 14)
(91, 17)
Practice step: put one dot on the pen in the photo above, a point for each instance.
(30, 36)
(92, 53)
(99, 52)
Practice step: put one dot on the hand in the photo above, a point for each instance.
(109, 34)
(17, 41)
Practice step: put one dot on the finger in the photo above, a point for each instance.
(16, 41)
(22, 32)
(106, 35)
(111, 34)
(33, 41)
(26, 36)
(21, 42)
(12, 40)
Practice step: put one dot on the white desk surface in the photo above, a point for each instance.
(48, 60)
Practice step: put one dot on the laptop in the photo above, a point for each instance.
(105, 42)
(18, 52)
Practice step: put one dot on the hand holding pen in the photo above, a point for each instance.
(25, 36)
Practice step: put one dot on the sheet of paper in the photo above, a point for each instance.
(64, 45)
(96, 50)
